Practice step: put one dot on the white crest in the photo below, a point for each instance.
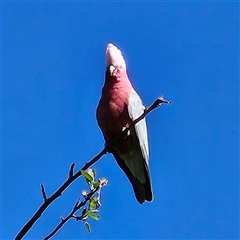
(114, 57)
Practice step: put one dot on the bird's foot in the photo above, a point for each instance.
(126, 132)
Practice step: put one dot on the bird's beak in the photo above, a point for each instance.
(111, 69)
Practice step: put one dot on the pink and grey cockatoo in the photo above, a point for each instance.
(117, 108)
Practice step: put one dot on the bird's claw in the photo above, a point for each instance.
(126, 131)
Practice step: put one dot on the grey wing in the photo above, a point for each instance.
(135, 110)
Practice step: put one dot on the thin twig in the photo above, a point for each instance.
(156, 104)
(43, 192)
(72, 178)
(71, 170)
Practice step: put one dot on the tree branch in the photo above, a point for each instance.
(57, 194)
(72, 177)
(43, 192)
(71, 170)
(76, 207)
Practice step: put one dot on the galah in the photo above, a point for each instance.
(118, 107)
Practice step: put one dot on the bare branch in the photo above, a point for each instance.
(71, 170)
(72, 177)
(147, 110)
(43, 193)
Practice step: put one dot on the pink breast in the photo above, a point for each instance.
(112, 113)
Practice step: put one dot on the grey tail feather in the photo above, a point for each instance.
(143, 191)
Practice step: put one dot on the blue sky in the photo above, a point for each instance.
(53, 64)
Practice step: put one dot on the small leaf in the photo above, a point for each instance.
(87, 226)
(91, 172)
(92, 215)
(87, 176)
(95, 184)
(93, 210)
(92, 203)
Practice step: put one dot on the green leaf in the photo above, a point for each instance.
(92, 215)
(96, 184)
(87, 226)
(92, 203)
(92, 173)
(87, 176)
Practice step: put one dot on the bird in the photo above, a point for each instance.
(118, 107)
